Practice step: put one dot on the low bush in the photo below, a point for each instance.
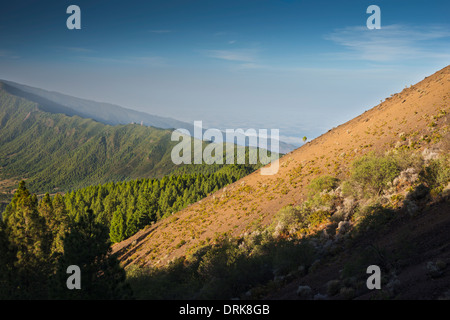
(318, 217)
(286, 219)
(373, 217)
(225, 270)
(233, 266)
(322, 183)
(407, 159)
(437, 173)
(321, 193)
(374, 173)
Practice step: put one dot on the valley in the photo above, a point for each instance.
(373, 190)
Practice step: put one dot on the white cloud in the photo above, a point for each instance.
(392, 42)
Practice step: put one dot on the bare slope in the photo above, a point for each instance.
(418, 117)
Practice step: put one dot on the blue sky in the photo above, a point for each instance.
(299, 66)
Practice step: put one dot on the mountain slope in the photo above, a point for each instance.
(57, 152)
(106, 113)
(408, 246)
(417, 118)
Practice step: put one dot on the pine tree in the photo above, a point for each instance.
(28, 237)
(45, 210)
(132, 223)
(118, 227)
(60, 224)
(8, 277)
(88, 247)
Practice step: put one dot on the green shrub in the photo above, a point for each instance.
(180, 244)
(288, 216)
(322, 183)
(374, 217)
(178, 280)
(349, 189)
(288, 256)
(373, 173)
(407, 159)
(222, 271)
(355, 267)
(318, 217)
(437, 173)
(319, 194)
(289, 220)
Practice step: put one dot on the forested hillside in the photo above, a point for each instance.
(58, 153)
(127, 207)
(106, 113)
(40, 238)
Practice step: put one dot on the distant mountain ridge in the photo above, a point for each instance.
(56, 152)
(106, 113)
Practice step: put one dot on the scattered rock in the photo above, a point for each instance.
(340, 214)
(343, 227)
(305, 292)
(411, 207)
(393, 285)
(406, 177)
(290, 277)
(320, 296)
(327, 246)
(419, 192)
(428, 154)
(435, 269)
(349, 205)
(325, 234)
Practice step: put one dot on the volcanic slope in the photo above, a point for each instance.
(417, 117)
